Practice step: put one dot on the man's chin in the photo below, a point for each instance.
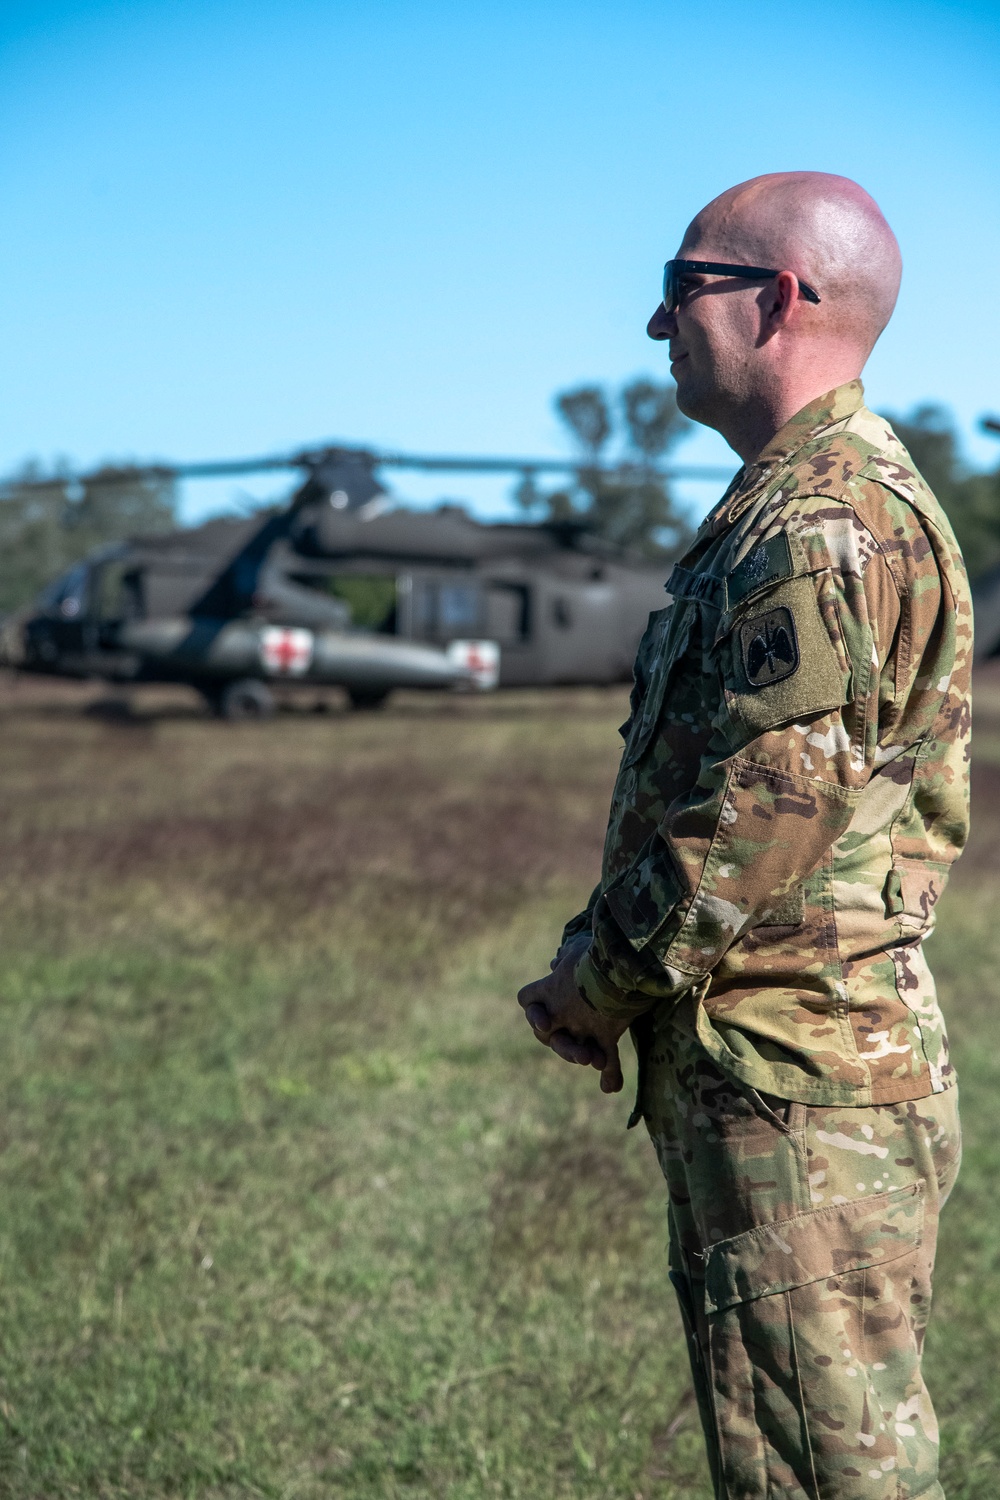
(686, 394)
(694, 402)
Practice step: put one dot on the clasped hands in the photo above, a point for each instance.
(561, 1019)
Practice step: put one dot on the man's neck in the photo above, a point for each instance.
(749, 429)
(750, 425)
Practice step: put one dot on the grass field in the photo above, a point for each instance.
(293, 1205)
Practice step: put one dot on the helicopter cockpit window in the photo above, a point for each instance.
(67, 595)
(118, 592)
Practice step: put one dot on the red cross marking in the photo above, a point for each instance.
(285, 652)
(285, 649)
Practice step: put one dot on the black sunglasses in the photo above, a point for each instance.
(675, 269)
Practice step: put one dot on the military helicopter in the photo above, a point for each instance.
(339, 588)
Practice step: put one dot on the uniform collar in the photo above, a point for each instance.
(826, 411)
(836, 406)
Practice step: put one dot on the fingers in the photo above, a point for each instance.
(555, 1022)
(586, 1052)
(539, 1020)
(530, 1001)
(563, 1043)
(612, 1081)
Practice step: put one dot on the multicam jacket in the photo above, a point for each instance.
(794, 784)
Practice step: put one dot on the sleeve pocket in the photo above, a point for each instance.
(778, 662)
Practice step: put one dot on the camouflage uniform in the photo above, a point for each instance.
(793, 790)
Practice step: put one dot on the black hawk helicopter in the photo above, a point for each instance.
(341, 589)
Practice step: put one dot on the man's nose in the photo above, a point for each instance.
(662, 325)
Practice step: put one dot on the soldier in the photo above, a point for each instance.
(793, 790)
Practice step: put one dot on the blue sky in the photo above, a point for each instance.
(233, 228)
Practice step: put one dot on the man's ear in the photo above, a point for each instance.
(780, 298)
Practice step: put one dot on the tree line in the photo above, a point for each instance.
(617, 490)
(47, 523)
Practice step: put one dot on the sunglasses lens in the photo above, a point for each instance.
(669, 287)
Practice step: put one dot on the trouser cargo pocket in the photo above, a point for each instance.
(813, 1357)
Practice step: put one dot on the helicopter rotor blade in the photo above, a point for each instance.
(311, 459)
(487, 465)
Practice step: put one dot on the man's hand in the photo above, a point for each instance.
(561, 1019)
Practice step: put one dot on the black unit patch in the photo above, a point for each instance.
(769, 563)
(770, 647)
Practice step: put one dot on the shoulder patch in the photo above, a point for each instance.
(769, 563)
(770, 647)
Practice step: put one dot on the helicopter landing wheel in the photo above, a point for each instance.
(367, 699)
(247, 699)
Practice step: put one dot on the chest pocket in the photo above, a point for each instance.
(666, 647)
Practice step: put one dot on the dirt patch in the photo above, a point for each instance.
(398, 827)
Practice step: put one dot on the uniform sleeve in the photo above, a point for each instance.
(801, 679)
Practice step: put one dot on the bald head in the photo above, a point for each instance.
(747, 353)
(826, 229)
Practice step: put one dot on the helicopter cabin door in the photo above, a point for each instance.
(580, 628)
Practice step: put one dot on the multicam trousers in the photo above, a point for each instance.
(802, 1243)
